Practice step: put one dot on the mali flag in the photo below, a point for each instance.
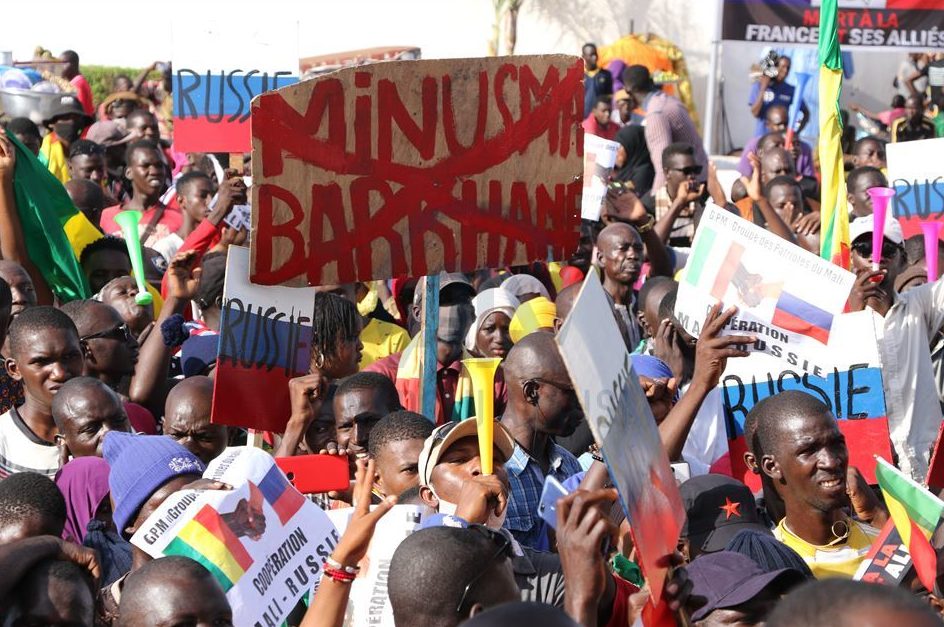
(916, 513)
(209, 541)
(42, 203)
(834, 236)
(54, 230)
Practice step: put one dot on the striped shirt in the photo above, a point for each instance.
(21, 450)
(667, 122)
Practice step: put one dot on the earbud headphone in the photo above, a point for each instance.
(531, 393)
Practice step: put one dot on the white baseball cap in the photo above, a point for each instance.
(866, 224)
(450, 433)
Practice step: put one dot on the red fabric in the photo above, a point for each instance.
(619, 615)
(83, 94)
(201, 239)
(923, 556)
(570, 275)
(172, 219)
(140, 418)
(590, 125)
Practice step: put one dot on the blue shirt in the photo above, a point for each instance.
(527, 482)
(776, 93)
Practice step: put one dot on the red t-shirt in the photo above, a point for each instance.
(84, 94)
(590, 125)
(169, 223)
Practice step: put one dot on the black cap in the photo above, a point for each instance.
(726, 579)
(717, 508)
(68, 105)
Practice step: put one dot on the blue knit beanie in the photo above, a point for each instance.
(140, 465)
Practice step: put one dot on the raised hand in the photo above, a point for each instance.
(713, 349)
(7, 159)
(867, 290)
(807, 224)
(623, 206)
(356, 539)
(666, 347)
(183, 279)
(583, 529)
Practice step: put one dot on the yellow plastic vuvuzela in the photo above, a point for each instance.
(128, 221)
(482, 371)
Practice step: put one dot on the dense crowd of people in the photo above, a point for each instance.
(105, 402)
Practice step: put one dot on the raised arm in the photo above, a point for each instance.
(150, 375)
(12, 242)
(625, 206)
(330, 602)
(307, 393)
(142, 77)
(758, 103)
(711, 356)
(775, 223)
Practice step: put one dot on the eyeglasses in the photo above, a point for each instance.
(121, 332)
(864, 248)
(503, 544)
(692, 170)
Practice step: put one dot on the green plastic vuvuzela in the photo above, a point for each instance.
(128, 221)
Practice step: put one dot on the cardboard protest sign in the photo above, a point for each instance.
(368, 603)
(888, 560)
(219, 67)
(786, 296)
(262, 541)
(599, 156)
(622, 424)
(265, 340)
(917, 176)
(413, 167)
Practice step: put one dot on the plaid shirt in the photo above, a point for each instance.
(684, 225)
(668, 121)
(527, 482)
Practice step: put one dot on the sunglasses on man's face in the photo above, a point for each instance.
(503, 549)
(121, 333)
(864, 248)
(692, 170)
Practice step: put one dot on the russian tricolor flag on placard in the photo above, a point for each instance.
(265, 341)
(795, 314)
(219, 67)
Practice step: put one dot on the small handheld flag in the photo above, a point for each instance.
(916, 513)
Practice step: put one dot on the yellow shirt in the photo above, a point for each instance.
(52, 154)
(381, 339)
(838, 560)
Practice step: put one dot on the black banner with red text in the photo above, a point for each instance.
(917, 24)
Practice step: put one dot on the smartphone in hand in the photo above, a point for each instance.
(547, 507)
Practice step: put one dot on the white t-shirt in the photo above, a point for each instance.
(21, 450)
